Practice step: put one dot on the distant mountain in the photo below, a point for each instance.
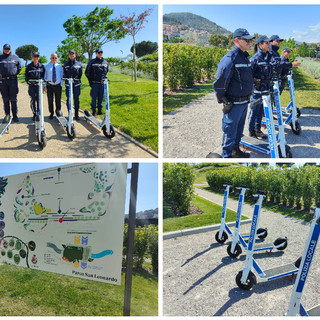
(190, 20)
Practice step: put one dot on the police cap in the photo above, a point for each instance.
(72, 51)
(36, 53)
(243, 33)
(99, 50)
(263, 39)
(7, 46)
(275, 37)
(287, 49)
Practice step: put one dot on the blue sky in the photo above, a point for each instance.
(41, 25)
(147, 180)
(302, 22)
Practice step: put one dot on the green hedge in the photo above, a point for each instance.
(286, 186)
(311, 67)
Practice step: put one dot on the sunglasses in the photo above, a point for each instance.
(246, 40)
(100, 52)
(36, 56)
(54, 58)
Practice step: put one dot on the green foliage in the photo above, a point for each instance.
(178, 179)
(140, 246)
(150, 57)
(286, 186)
(94, 29)
(183, 65)
(153, 244)
(145, 47)
(25, 52)
(218, 40)
(43, 59)
(70, 44)
(145, 67)
(23, 71)
(113, 60)
(311, 67)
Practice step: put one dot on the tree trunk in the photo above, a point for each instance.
(134, 60)
(90, 53)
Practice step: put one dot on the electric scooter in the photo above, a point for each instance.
(295, 305)
(39, 120)
(68, 125)
(272, 147)
(5, 124)
(246, 279)
(105, 124)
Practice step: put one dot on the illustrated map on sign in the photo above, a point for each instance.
(67, 220)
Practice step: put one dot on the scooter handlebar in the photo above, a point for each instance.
(242, 187)
(227, 184)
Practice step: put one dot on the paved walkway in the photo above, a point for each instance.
(195, 130)
(199, 276)
(89, 143)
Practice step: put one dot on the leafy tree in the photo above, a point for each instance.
(43, 59)
(145, 47)
(113, 60)
(25, 52)
(67, 45)
(132, 25)
(94, 30)
(218, 40)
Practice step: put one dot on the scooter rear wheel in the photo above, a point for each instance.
(296, 131)
(280, 241)
(72, 135)
(288, 152)
(262, 233)
(223, 239)
(42, 141)
(251, 281)
(111, 134)
(237, 250)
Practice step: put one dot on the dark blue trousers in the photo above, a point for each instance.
(9, 91)
(256, 113)
(282, 84)
(97, 91)
(76, 94)
(34, 95)
(232, 127)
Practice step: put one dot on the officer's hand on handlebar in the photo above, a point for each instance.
(296, 64)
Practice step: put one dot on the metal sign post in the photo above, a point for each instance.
(130, 245)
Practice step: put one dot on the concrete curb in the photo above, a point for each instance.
(187, 232)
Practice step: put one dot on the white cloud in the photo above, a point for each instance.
(312, 34)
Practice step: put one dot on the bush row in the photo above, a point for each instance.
(183, 65)
(287, 186)
(145, 245)
(150, 68)
(311, 67)
(178, 187)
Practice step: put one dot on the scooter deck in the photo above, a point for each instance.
(95, 121)
(315, 311)
(255, 144)
(4, 126)
(263, 246)
(63, 121)
(280, 271)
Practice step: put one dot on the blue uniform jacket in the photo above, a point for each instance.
(10, 65)
(97, 69)
(286, 66)
(73, 69)
(276, 60)
(234, 75)
(34, 72)
(262, 68)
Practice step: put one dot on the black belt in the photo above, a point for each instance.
(98, 81)
(10, 78)
(52, 85)
(238, 99)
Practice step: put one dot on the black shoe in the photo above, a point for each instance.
(6, 118)
(260, 134)
(37, 118)
(94, 112)
(34, 117)
(51, 116)
(15, 118)
(99, 111)
(76, 115)
(59, 113)
(253, 134)
(237, 153)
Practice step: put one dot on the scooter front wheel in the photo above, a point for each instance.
(111, 134)
(237, 250)
(251, 281)
(72, 134)
(262, 233)
(42, 140)
(223, 239)
(283, 242)
(296, 131)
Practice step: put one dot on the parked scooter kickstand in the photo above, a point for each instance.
(295, 305)
(246, 279)
(39, 119)
(105, 124)
(68, 125)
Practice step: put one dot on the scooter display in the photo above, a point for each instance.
(68, 124)
(105, 124)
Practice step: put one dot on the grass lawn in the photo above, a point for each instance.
(307, 91)
(175, 101)
(133, 106)
(211, 216)
(287, 211)
(27, 292)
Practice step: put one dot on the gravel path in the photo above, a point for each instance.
(90, 142)
(199, 276)
(195, 130)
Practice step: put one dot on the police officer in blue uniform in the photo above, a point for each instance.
(233, 88)
(34, 71)
(73, 69)
(96, 72)
(10, 67)
(262, 68)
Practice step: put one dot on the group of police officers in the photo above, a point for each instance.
(239, 80)
(53, 75)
